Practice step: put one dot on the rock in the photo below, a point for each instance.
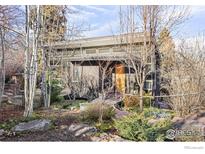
(35, 125)
(154, 121)
(85, 130)
(177, 119)
(106, 137)
(4, 98)
(201, 120)
(119, 114)
(63, 126)
(190, 122)
(81, 129)
(2, 132)
(95, 139)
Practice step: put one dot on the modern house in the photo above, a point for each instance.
(99, 62)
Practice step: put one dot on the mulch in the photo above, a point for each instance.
(10, 111)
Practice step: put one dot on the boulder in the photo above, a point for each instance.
(201, 120)
(4, 98)
(35, 125)
(81, 129)
(2, 132)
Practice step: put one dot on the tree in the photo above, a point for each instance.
(148, 20)
(54, 29)
(167, 52)
(2, 66)
(105, 69)
(187, 77)
(31, 61)
(9, 15)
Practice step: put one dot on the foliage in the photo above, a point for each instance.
(131, 101)
(136, 127)
(93, 110)
(55, 91)
(105, 126)
(147, 99)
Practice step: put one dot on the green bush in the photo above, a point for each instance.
(56, 89)
(93, 111)
(136, 127)
(104, 126)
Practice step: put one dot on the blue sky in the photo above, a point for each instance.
(104, 20)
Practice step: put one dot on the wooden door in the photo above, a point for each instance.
(120, 78)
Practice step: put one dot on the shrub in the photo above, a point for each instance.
(131, 101)
(55, 91)
(136, 127)
(105, 126)
(93, 111)
(147, 99)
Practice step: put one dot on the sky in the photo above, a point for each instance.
(104, 20)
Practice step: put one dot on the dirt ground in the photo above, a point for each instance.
(49, 136)
(61, 120)
(9, 111)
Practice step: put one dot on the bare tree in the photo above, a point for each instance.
(2, 66)
(31, 61)
(186, 79)
(149, 21)
(9, 15)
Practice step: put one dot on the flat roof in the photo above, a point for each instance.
(100, 41)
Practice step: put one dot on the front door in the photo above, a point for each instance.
(120, 78)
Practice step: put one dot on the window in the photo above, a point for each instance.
(104, 50)
(119, 49)
(148, 85)
(90, 51)
(76, 73)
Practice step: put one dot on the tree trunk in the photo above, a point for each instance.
(2, 66)
(31, 68)
(141, 98)
(26, 66)
(157, 75)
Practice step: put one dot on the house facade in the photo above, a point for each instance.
(99, 62)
